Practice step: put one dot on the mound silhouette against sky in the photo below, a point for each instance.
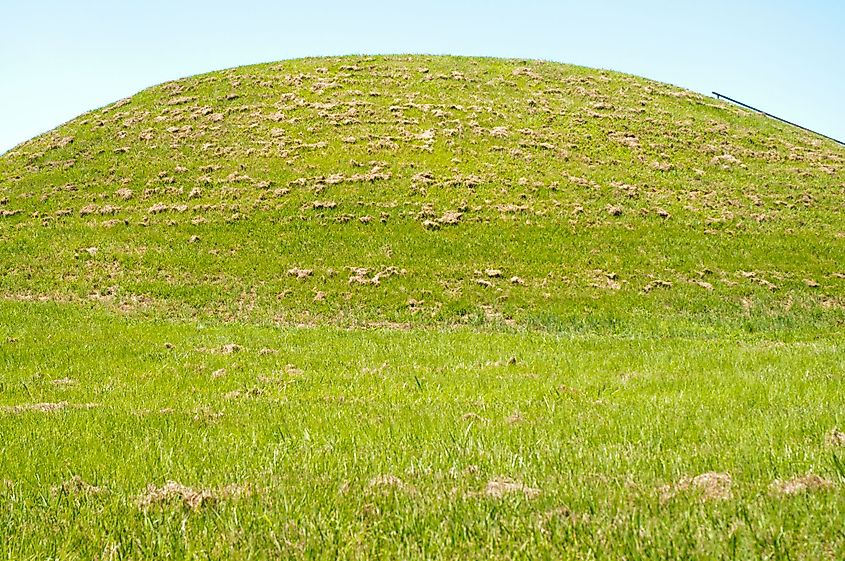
(421, 190)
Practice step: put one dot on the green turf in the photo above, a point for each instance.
(446, 279)
(531, 158)
(597, 424)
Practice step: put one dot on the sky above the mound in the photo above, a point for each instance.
(60, 58)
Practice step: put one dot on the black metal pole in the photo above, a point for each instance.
(720, 96)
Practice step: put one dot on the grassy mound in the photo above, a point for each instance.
(603, 321)
(429, 190)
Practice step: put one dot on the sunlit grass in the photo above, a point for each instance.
(383, 443)
(421, 308)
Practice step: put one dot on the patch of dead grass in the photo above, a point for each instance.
(47, 407)
(74, 487)
(300, 273)
(835, 438)
(173, 493)
(799, 485)
(710, 486)
(230, 348)
(500, 487)
(388, 481)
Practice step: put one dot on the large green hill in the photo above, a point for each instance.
(429, 190)
(422, 308)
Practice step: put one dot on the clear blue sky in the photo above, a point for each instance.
(59, 58)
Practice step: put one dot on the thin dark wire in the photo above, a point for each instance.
(720, 96)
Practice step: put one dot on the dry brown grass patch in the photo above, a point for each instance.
(710, 485)
(500, 487)
(836, 438)
(124, 193)
(39, 407)
(300, 273)
(75, 486)
(390, 482)
(230, 348)
(451, 217)
(173, 493)
(799, 485)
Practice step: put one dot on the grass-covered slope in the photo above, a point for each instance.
(636, 296)
(424, 190)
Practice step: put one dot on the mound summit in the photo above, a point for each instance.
(417, 190)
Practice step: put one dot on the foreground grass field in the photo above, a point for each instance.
(321, 442)
(422, 308)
